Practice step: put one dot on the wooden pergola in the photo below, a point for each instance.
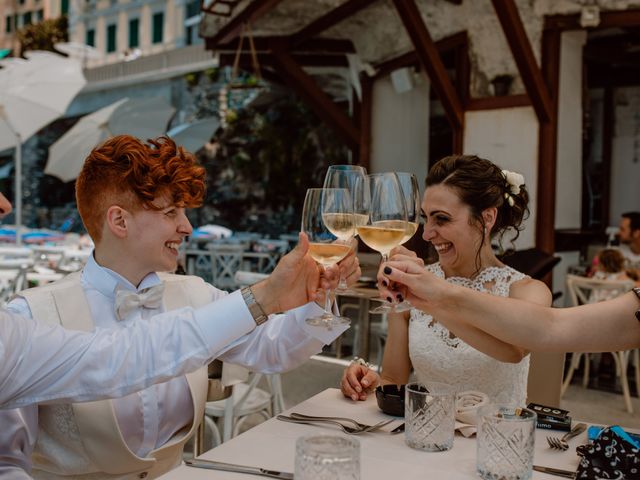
(285, 56)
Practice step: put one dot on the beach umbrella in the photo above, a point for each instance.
(143, 118)
(80, 51)
(193, 136)
(33, 93)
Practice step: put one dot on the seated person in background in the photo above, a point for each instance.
(608, 265)
(467, 203)
(629, 237)
(132, 198)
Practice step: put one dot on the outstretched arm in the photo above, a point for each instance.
(604, 326)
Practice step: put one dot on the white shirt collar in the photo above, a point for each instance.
(106, 280)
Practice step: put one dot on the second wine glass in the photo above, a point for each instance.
(327, 246)
(354, 179)
(387, 225)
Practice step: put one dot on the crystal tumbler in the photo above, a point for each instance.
(327, 457)
(429, 416)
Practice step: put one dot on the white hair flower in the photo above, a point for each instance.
(515, 181)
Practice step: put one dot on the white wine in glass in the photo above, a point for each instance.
(387, 225)
(328, 246)
(354, 179)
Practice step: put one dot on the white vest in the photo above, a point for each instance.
(83, 440)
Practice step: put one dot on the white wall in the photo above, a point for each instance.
(625, 159)
(509, 138)
(569, 149)
(400, 129)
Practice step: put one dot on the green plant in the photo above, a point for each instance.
(43, 35)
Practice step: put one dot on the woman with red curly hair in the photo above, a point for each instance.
(132, 198)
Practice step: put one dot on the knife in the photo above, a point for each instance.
(231, 467)
(555, 471)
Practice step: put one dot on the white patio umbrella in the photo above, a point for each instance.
(142, 118)
(33, 93)
(193, 136)
(80, 51)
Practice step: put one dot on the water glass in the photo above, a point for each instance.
(429, 416)
(506, 439)
(327, 457)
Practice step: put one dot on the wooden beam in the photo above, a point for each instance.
(617, 19)
(430, 60)
(263, 44)
(330, 19)
(507, 13)
(494, 103)
(547, 146)
(304, 85)
(311, 60)
(233, 27)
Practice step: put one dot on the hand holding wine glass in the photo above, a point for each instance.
(329, 241)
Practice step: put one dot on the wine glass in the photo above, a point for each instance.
(354, 179)
(387, 225)
(328, 242)
(411, 192)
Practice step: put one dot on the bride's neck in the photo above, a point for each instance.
(474, 265)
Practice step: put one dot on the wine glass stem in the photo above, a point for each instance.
(327, 302)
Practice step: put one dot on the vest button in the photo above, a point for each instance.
(143, 475)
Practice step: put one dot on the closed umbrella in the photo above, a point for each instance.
(193, 136)
(33, 93)
(142, 118)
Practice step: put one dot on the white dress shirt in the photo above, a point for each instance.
(149, 418)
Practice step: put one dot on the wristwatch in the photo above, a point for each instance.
(254, 307)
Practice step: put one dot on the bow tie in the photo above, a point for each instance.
(128, 300)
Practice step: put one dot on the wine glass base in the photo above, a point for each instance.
(328, 321)
(387, 307)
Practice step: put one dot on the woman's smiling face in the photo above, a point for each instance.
(451, 229)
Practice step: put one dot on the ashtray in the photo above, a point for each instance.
(391, 399)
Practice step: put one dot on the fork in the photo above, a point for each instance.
(345, 429)
(338, 419)
(561, 443)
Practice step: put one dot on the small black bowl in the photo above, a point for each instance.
(391, 399)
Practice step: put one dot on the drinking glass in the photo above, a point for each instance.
(327, 457)
(429, 416)
(327, 219)
(354, 179)
(506, 440)
(387, 222)
(411, 192)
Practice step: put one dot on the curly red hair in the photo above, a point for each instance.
(125, 171)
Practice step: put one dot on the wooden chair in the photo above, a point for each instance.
(584, 290)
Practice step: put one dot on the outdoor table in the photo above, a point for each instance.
(272, 445)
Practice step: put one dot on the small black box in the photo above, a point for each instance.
(550, 413)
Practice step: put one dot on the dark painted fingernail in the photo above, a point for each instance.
(399, 297)
(387, 270)
(384, 282)
(389, 299)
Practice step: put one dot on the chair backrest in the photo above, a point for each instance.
(226, 261)
(588, 290)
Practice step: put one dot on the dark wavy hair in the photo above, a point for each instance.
(125, 171)
(480, 184)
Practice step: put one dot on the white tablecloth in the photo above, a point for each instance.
(272, 445)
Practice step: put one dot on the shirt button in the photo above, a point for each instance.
(143, 475)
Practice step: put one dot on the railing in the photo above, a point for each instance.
(176, 60)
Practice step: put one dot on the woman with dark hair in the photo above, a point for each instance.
(468, 201)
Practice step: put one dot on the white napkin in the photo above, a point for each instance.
(467, 405)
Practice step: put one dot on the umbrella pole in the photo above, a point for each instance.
(18, 189)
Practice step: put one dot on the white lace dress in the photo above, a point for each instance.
(437, 355)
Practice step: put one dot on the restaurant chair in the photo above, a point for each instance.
(226, 260)
(224, 418)
(584, 290)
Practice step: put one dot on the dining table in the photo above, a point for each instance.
(271, 445)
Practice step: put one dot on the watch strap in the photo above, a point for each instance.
(254, 307)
